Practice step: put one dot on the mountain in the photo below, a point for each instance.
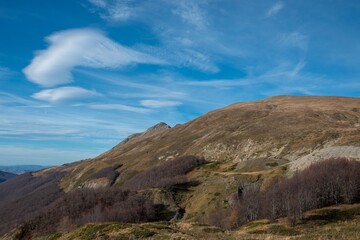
(242, 144)
(20, 169)
(284, 129)
(4, 176)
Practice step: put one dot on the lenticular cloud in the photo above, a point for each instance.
(79, 47)
(63, 94)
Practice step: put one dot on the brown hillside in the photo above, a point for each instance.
(283, 128)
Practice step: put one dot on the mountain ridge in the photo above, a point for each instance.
(279, 128)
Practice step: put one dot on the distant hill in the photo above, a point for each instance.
(20, 169)
(4, 176)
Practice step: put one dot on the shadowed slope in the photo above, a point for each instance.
(4, 176)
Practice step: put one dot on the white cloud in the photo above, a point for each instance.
(32, 123)
(294, 39)
(191, 13)
(221, 83)
(114, 10)
(63, 94)
(198, 60)
(275, 9)
(120, 107)
(98, 3)
(296, 71)
(80, 47)
(159, 104)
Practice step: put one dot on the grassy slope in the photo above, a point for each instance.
(338, 222)
(244, 141)
(279, 128)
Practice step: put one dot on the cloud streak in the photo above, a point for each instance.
(4, 72)
(80, 48)
(275, 9)
(62, 94)
(191, 13)
(294, 40)
(114, 10)
(119, 107)
(159, 103)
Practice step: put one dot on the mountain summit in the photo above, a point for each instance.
(283, 129)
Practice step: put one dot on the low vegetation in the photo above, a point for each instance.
(46, 209)
(326, 183)
(89, 206)
(24, 196)
(166, 175)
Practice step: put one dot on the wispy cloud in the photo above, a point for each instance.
(221, 83)
(33, 123)
(275, 9)
(159, 103)
(4, 72)
(114, 10)
(13, 100)
(294, 40)
(285, 71)
(191, 13)
(80, 47)
(99, 3)
(119, 107)
(62, 94)
(143, 86)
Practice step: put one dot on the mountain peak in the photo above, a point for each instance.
(150, 131)
(157, 127)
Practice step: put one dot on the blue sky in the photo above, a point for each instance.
(77, 76)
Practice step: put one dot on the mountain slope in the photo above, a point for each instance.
(284, 128)
(242, 143)
(4, 176)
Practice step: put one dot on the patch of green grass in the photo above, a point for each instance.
(328, 215)
(282, 230)
(98, 231)
(53, 236)
(231, 168)
(255, 224)
(276, 230)
(212, 230)
(141, 233)
(212, 166)
(272, 164)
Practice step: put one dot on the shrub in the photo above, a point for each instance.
(84, 206)
(168, 174)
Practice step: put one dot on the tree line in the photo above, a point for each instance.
(325, 183)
